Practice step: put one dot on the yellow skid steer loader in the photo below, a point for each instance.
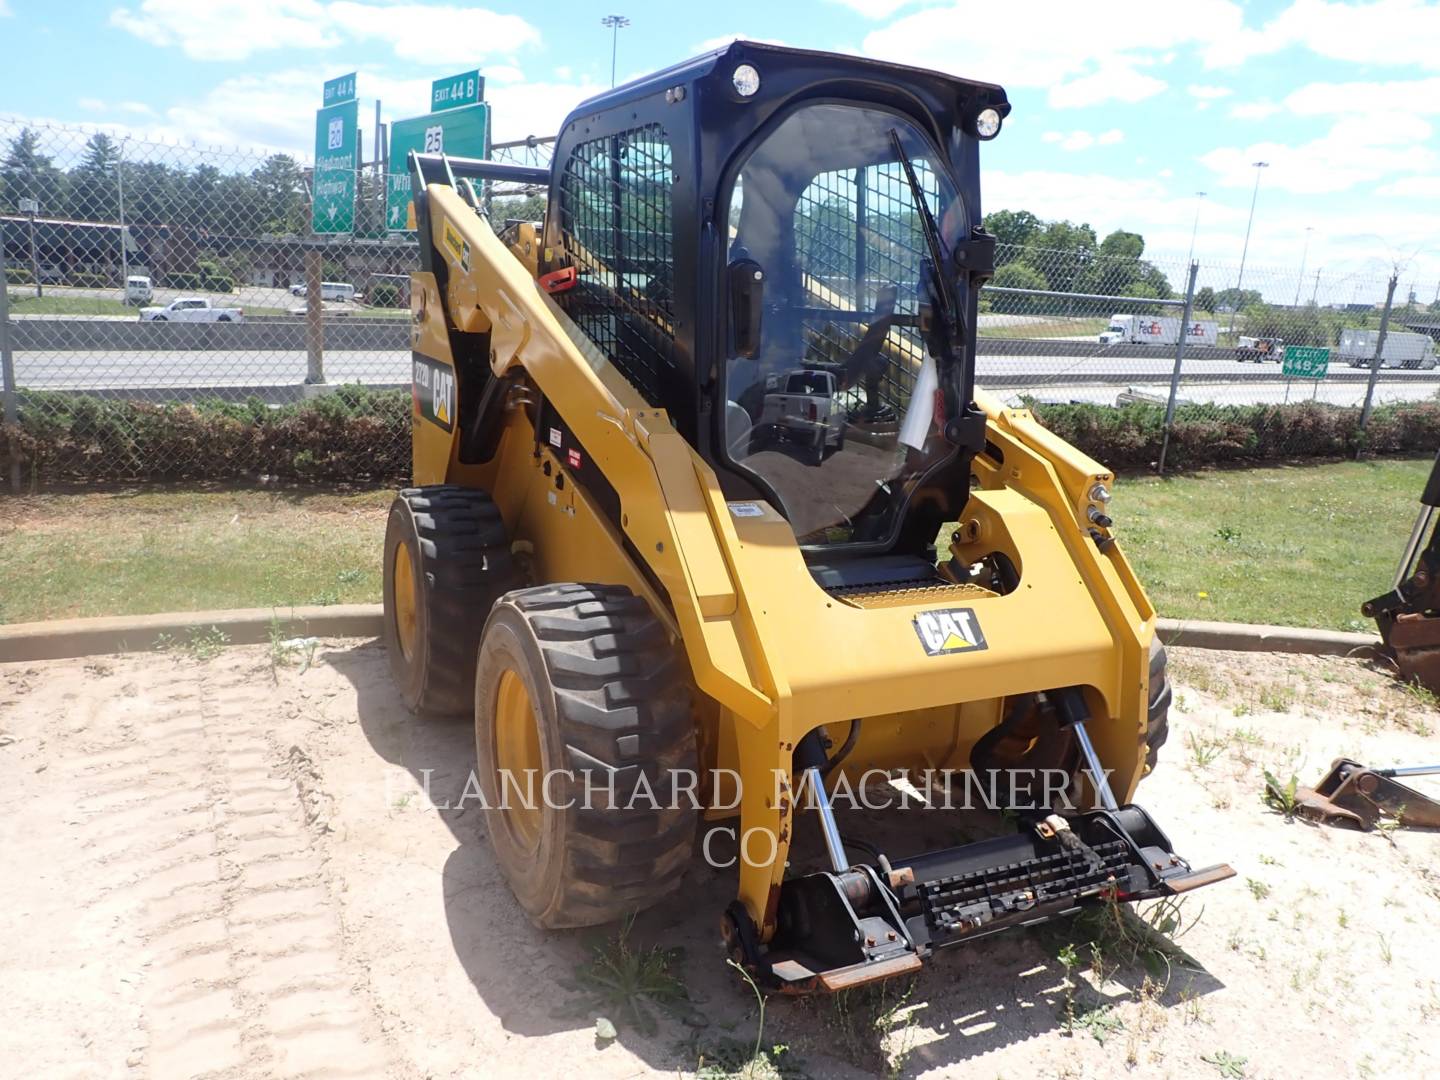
(704, 488)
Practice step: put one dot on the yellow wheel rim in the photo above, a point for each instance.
(405, 617)
(517, 759)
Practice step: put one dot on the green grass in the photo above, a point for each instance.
(65, 304)
(1293, 545)
(124, 553)
(1299, 545)
(68, 304)
(1049, 326)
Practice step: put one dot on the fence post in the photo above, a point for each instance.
(7, 362)
(314, 324)
(1179, 357)
(1379, 353)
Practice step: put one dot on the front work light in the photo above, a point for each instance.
(987, 123)
(746, 80)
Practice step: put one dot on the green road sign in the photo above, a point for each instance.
(467, 88)
(332, 204)
(1305, 362)
(339, 90)
(463, 132)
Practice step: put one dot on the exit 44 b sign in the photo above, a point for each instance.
(1305, 362)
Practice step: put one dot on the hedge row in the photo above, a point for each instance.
(359, 434)
(1129, 437)
(349, 434)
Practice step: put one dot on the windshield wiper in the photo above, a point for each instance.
(949, 305)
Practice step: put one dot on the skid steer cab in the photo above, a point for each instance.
(705, 492)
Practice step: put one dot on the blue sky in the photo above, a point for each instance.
(1122, 110)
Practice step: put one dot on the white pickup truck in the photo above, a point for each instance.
(801, 405)
(191, 309)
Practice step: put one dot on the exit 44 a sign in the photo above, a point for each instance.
(1305, 362)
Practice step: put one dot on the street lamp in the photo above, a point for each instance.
(1245, 250)
(1194, 228)
(120, 186)
(1304, 254)
(616, 23)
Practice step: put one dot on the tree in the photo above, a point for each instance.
(1236, 299)
(26, 173)
(280, 196)
(1061, 251)
(1017, 274)
(94, 193)
(1012, 230)
(1205, 299)
(1123, 245)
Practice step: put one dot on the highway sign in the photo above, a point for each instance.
(467, 88)
(462, 132)
(332, 202)
(339, 90)
(1305, 362)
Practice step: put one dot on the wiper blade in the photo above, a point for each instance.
(948, 302)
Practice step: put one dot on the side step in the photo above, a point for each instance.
(840, 930)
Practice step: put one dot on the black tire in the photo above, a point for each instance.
(159, 318)
(223, 318)
(1160, 695)
(460, 564)
(610, 696)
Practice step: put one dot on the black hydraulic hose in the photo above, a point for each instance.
(845, 748)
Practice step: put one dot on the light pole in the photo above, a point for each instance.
(1194, 228)
(120, 187)
(1245, 250)
(1304, 254)
(1316, 290)
(616, 23)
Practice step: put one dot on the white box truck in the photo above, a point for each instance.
(1157, 330)
(1402, 349)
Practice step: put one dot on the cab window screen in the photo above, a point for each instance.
(615, 216)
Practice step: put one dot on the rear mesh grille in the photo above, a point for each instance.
(908, 595)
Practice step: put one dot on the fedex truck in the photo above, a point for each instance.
(1157, 330)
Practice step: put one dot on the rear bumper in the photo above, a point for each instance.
(840, 930)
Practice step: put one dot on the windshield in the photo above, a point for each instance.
(836, 411)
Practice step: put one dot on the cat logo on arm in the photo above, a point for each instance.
(949, 630)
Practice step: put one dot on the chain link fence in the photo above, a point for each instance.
(171, 315)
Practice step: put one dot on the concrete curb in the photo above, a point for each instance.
(138, 633)
(1252, 637)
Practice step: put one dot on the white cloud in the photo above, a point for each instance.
(1412, 187)
(1113, 82)
(1356, 150)
(722, 40)
(411, 30)
(236, 29)
(134, 108)
(1386, 32)
(228, 29)
(1255, 110)
(1087, 56)
(1409, 95)
(1082, 140)
(874, 9)
(1208, 93)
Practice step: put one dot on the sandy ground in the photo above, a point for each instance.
(222, 868)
